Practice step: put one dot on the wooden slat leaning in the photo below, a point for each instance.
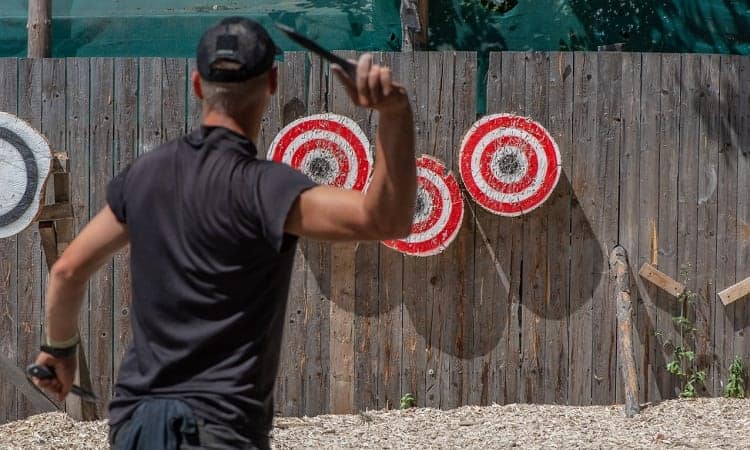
(56, 232)
(620, 273)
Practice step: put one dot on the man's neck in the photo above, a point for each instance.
(216, 119)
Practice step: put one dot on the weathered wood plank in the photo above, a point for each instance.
(559, 124)
(343, 287)
(706, 231)
(101, 165)
(461, 251)
(30, 312)
(149, 112)
(620, 277)
(669, 149)
(742, 311)
(174, 97)
(534, 283)
(510, 235)
(390, 285)
(194, 112)
(292, 91)
(317, 282)
(8, 263)
(629, 190)
(648, 160)
(77, 145)
(125, 150)
(609, 131)
(417, 272)
(726, 243)
(585, 249)
(661, 280)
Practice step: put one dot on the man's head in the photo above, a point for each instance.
(236, 73)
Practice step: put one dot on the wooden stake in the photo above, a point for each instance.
(661, 280)
(620, 273)
(39, 28)
(735, 292)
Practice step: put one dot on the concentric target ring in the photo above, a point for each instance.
(509, 164)
(329, 148)
(439, 211)
(25, 164)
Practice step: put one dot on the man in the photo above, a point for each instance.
(212, 232)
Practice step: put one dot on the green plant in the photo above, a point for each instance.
(683, 364)
(735, 387)
(407, 401)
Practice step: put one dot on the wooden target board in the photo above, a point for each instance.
(329, 148)
(509, 164)
(25, 164)
(438, 214)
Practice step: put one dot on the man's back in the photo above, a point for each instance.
(210, 272)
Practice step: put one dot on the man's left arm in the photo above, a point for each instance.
(68, 278)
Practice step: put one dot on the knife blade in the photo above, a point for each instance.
(349, 68)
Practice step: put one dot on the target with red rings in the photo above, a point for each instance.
(509, 164)
(438, 214)
(329, 148)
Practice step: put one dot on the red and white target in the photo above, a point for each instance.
(509, 164)
(438, 214)
(329, 148)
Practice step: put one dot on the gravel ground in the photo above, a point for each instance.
(702, 423)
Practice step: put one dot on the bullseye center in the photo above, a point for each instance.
(508, 164)
(321, 167)
(422, 208)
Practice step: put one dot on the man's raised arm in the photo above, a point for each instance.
(386, 210)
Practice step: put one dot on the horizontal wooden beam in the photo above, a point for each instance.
(55, 211)
(735, 292)
(661, 280)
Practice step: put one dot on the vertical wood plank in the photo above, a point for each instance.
(560, 123)
(149, 107)
(649, 215)
(510, 234)
(687, 189)
(366, 319)
(726, 245)
(461, 250)
(390, 286)
(318, 281)
(30, 261)
(585, 249)
(534, 282)
(292, 97)
(629, 202)
(174, 99)
(101, 167)
(417, 293)
(8, 262)
(707, 210)
(667, 226)
(742, 313)
(77, 99)
(343, 285)
(604, 223)
(125, 150)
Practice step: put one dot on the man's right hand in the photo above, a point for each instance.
(374, 87)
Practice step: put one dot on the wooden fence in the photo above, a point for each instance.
(655, 157)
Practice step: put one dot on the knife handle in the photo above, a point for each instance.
(40, 371)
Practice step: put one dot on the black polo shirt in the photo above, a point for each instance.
(210, 267)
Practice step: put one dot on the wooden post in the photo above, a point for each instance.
(414, 20)
(39, 28)
(620, 273)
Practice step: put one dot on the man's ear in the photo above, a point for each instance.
(197, 88)
(273, 80)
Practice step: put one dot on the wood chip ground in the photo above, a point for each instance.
(702, 423)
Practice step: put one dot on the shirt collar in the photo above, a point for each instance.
(218, 137)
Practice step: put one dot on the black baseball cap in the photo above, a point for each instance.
(239, 40)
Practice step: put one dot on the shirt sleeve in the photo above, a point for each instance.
(116, 195)
(278, 187)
